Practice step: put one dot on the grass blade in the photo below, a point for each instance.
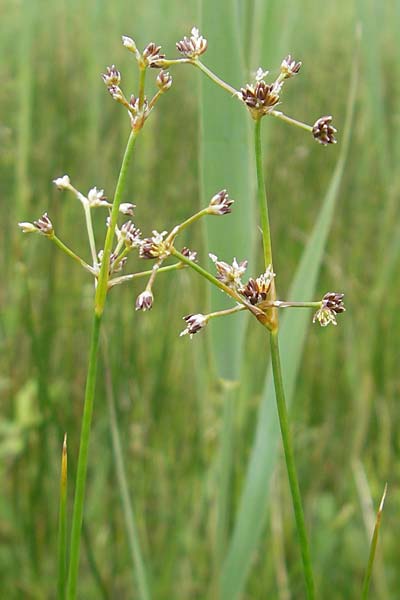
(252, 511)
(62, 525)
(225, 160)
(372, 550)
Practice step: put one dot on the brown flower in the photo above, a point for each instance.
(323, 131)
(192, 46)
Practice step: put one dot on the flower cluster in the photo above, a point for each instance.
(257, 290)
(331, 305)
(323, 131)
(43, 225)
(230, 275)
(192, 46)
(154, 246)
(220, 204)
(260, 97)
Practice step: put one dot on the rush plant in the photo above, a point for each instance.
(258, 295)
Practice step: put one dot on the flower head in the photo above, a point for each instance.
(154, 247)
(289, 67)
(260, 97)
(192, 46)
(220, 204)
(256, 290)
(144, 301)
(130, 45)
(323, 131)
(97, 198)
(194, 323)
(131, 235)
(63, 183)
(43, 225)
(152, 56)
(190, 254)
(164, 81)
(126, 208)
(331, 305)
(230, 275)
(112, 77)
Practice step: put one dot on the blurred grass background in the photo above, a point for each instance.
(56, 118)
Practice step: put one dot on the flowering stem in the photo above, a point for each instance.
(290, 120)
(131, 276)
(215, 281)
(100, 297)
(262, 196)
(280, 304)
(89, 227)
(290, 464)
(179, 228)
(72, 254)
(80, 483)
(228, 311)
(278, 382)
(102, 286)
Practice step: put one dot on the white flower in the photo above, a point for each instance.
(63, 183)
(97, 198)
(126, 208)
(144, 301)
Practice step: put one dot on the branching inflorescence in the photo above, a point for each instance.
(256, 295)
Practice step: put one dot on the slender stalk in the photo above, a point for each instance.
(225, 86)
(131, 276)
(72, 254)
(89, 227)
(277, 373)
(80, 484)
(262, 195)
(102, 286)
(372, 550)
(62, 525)
(290, 120)
(290, 464)
(190, 263)
(129, 515)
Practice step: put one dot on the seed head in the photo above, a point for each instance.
(260, 97)
(331, 305)
(230, 275)
(154, 247)
(131, 235)
(220, 204)
(151, 55)
(289, 67)
(112, 77)
(256, 290)
(194, 324)
(192, 46)
(323, 131)
(63, 183)
(43, 225)
(144, 301)
(126, 208)
(164, 81)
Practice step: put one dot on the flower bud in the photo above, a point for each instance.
(144, 301)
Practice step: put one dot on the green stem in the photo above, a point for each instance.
(131, 276)
(215, 281)
(72, 254)
(89, 227)
(278, 381)
(225, 86)
(262, 195)
(80, 485)
(290, 120)
(290, 464)
(101, 291)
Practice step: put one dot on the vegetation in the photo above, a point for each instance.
(177, 499)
